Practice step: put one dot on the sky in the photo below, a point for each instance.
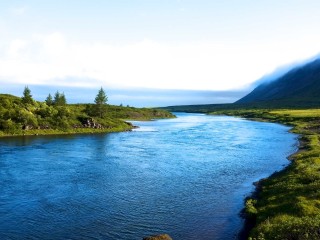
(190, 46)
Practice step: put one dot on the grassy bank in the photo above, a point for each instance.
(287, 205)
(33, 132)
(38, 118)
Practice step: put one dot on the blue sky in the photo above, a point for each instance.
(185, 45)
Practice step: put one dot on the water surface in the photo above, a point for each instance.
(186, 177)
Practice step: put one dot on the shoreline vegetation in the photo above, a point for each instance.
(286, 205)
(25, 116)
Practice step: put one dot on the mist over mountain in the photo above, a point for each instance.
(282, 70)
(299, 86)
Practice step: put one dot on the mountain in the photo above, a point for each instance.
(293, 86)
(299, 87)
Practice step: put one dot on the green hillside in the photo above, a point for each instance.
(299, 87)
(21, 117)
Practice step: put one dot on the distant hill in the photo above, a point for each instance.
(295, 86)
(300, 87)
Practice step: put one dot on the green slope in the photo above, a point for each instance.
(298, 87)
(19, 118)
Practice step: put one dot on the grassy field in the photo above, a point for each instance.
(287, 205)
(298, 113)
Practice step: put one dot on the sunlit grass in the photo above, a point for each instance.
(298, 113)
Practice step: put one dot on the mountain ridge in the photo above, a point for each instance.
(299, 86)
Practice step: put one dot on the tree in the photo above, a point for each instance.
(101, 100)
(49, 100)
(59, 99)
(63, 100)
(27, 97)
(56, 98)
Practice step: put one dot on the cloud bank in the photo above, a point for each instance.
(53, 59)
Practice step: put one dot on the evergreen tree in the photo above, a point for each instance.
(101, 100)
(56, 98)
(49, 100)
(63, 100)
(27, 97)
(59, 99)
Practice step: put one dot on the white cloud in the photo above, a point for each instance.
(52, 59)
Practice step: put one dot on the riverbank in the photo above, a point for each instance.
(286, 205)
(44, 132)
(18, 118)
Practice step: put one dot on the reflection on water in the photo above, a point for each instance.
(186, 177)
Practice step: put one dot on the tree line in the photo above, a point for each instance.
(59, 99)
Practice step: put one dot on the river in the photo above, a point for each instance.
(187, 177)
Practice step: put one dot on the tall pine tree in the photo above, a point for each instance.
(49, 100)
(27, 97)
(59, 99)
(101, 100)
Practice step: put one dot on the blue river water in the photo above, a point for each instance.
(187, 177)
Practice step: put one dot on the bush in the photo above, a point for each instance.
(8, 126)
(250, 209)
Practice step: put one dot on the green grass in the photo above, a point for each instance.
(313, 113)
(288, 203)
